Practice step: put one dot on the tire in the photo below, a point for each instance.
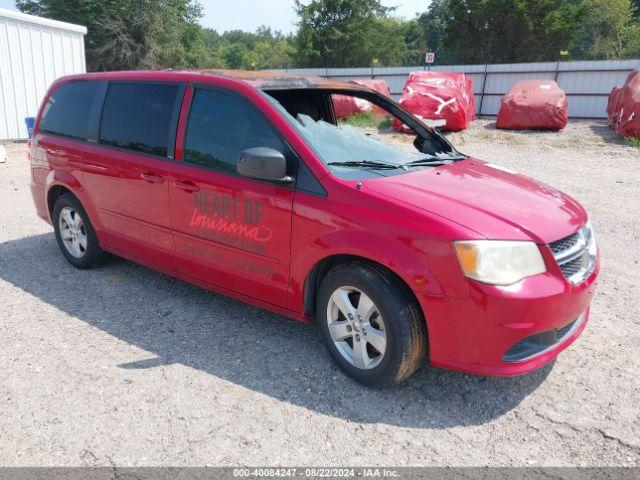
(75, 234)
(387, 311)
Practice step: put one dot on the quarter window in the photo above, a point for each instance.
(68, 109)
(221, 126)
(138, 117)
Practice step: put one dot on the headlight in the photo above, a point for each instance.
(499, 262)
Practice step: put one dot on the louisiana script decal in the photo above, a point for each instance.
(257, 233)
(230, 216)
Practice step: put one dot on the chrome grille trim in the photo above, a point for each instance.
(577, 244)
(575, 254)
(565, 243)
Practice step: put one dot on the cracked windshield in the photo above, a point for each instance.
(346, 143)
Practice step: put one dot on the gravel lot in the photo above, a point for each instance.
(125, 366)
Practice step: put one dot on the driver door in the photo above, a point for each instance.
(230, 231)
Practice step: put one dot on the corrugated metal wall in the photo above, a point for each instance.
(33, 53)
(587, 84)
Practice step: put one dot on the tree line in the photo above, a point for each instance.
(155, 34)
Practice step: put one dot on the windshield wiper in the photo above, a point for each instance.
(364, 164)
(432, 161)
(424, 162)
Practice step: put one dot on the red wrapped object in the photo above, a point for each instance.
(533, 105)
(376, 84)
(439, 96)
(345, 106)
(623, 108)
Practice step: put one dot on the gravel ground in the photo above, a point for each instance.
(125, 366)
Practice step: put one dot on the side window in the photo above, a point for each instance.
(221, 126)
(68, 109)
(137, 117)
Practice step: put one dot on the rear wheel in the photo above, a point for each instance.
(371, 327)
(75, 235)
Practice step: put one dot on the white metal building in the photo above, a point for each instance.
(34, 52)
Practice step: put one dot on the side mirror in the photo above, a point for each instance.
(263, 164)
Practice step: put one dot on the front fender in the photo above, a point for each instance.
(406, 261)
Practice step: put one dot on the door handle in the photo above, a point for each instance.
(151, 177)
(186, 185)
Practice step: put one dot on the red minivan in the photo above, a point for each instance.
(245, 183)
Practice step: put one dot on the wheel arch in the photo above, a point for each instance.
(60, 182)
(323, 266)
(55, 192)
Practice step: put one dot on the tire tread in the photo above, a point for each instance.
(409, 321)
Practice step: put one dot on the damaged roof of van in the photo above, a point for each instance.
(276, 80)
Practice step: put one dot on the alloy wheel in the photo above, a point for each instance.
(356, 327)
(73, 232)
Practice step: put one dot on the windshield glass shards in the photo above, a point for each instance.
(359, 146)
(349, 145)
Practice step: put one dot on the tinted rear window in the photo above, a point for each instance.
(68, 109)
(138, 117)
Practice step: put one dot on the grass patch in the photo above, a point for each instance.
(569, 142)
(385, 123)
(367, 120)
(514, 140)
(634, 141)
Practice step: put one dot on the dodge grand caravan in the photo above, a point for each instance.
(245, 183)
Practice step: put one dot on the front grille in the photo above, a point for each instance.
(569, 269)
(576, 254)
(535, 345)
(563, 244)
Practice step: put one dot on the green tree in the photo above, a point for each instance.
(335, 33)
(130, 34)
(609, 31)
(500, 31)
(432, 25)
(264, 49)
(191, 50)
(388, 42)
(234, 55)
(415, 43)
(632, 46)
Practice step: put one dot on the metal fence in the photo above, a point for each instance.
(587, 83)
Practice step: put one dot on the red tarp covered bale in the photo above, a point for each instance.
(439, 96)
(533, 105)
(623, 108)
(346, 106)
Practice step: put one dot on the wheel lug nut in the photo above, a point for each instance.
(349, 328)
(357, 338)
(350, 316)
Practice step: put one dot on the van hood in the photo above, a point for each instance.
(493, 201)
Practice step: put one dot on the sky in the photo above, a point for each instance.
(223, 15)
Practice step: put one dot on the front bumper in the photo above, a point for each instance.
(481, 334)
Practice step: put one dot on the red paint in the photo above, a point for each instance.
(258, 242)
(182, 122)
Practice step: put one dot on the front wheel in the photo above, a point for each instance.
(371, 327)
